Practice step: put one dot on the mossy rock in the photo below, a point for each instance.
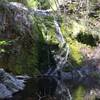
(22, 56)
(24, 62)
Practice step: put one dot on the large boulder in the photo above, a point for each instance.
(19, 39)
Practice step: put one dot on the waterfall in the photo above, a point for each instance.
(59, 35)
(61, 57)
(61, 62)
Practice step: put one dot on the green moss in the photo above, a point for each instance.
(25, 62)
(3, 42)
(32, 3)
(73, 28)
(79, 93)
(75, 54)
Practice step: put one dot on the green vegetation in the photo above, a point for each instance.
(43, 30)
(75, 54)
(79, 93)
(3, 43)
(29, 42)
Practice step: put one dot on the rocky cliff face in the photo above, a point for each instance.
(18, 39)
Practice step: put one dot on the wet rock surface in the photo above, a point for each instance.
(10, 84)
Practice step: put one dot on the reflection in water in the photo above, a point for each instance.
(46, 86)
(40, 88)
